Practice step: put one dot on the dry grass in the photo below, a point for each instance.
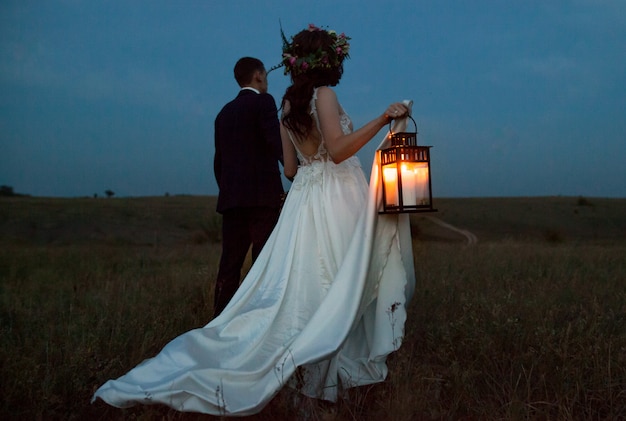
(529, 323)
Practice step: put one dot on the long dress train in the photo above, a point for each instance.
(320, 309)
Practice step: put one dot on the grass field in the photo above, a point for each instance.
(527, 323)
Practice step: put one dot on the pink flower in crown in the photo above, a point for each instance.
(312, 28)
(339, 51)
(304, 65)
(292, 61)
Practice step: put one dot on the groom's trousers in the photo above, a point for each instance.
(241, 227)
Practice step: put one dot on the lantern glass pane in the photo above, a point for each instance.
(415, 184)
(390, 178)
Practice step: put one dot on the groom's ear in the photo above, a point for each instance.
(258, 76)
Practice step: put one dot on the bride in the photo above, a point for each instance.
(324, 303)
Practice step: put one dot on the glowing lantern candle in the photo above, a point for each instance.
(423, 187)
(391, 185)
(409, 186)
(405, 175)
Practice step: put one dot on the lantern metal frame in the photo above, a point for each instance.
(404, 149)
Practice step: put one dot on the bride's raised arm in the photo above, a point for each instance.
(342, 146)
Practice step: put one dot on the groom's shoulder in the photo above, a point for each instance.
(265, 99)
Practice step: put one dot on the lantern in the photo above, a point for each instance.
(405, 175)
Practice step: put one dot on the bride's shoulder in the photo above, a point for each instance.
(326, 91)
(326, 96)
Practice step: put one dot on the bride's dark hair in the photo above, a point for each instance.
(299, 94)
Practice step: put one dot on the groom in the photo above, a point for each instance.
(247, 151)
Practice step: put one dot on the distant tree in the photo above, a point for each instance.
(109, 193)
(582, 201)
(6, 191)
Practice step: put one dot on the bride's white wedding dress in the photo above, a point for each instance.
(319, 311)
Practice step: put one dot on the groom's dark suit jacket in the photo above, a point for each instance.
(247, 152)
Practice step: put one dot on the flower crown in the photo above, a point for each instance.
(321, 58)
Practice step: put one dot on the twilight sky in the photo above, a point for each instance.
(517, 98)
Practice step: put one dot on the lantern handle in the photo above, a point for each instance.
(414, 123)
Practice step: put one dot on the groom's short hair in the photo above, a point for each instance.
(245, 68)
